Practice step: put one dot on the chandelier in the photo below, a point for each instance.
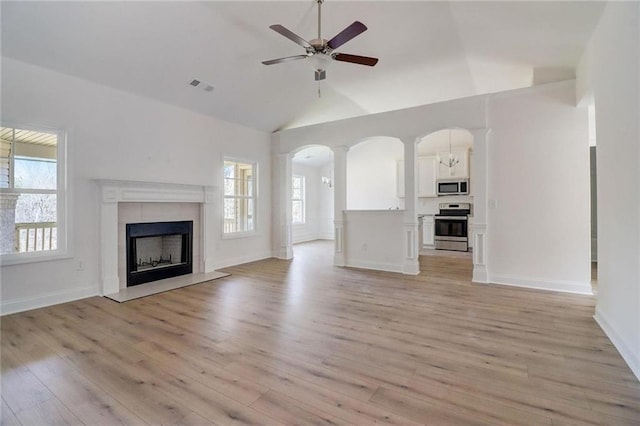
(452, 160)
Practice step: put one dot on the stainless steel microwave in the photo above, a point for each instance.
(453, 186)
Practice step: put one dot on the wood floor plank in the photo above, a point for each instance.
(21, 389)
(302, 341)
(292, 412)
(7, 418)
(50, 412)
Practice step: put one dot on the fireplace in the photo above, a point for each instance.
(158, 250)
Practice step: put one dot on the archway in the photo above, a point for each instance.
(311, 200)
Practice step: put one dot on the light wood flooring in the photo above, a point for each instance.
(303, 342)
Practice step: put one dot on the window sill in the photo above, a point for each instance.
(235, 235)
(33, 257)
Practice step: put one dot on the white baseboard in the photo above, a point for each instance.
(326, 236)
(411, 268)
(632, 360)
(376, 266)
(479, 274)
(312, 237)
(304, 238)
(40, 301)
(243, 259)
(576, 287)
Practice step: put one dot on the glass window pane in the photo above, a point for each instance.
(32, 208)
(297, 193)
(35, 173)
(238, 191)
(297, 211)
(229, 186)
(229, 169)
(229, 208)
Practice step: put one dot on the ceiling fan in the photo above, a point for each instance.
(320, 52)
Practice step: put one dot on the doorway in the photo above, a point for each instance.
(312, 196)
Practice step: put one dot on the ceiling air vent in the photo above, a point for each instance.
(207, 87)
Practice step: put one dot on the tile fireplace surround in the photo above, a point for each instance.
(113, 192)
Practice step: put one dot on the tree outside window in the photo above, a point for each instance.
(298, 200)
(239, 197)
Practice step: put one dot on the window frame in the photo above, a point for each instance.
(254, 197)
(302, 199)
(62, 191)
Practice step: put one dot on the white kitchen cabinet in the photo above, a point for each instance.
(400, 180)
(460, 170)
(427, 173)
(428, 230)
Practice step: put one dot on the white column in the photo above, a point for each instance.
(210, 228)
(340, 202)
(282, 237)
(109, 240)
(479, 180)
(410, 264)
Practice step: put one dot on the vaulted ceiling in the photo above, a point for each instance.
(429, 51)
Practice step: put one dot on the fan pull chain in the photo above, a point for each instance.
(319, 92)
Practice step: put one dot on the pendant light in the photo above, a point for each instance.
(452, 160)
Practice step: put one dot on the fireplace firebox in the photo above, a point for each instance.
(158, 250)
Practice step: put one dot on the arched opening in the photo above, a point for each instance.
(445, 201)
(374, 167)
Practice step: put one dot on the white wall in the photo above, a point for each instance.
(372, 179)
(116, 135)
(609, 71)
(372, 241)
(539, 179)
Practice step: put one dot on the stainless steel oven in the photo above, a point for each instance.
(451, 227)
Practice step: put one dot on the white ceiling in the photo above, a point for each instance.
(429, 51)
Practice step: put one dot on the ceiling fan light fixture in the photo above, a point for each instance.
(319, 61)
(319, 51)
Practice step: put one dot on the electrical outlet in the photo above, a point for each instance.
(79, 265)
(364, 247)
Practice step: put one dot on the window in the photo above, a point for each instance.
(31, 175)
(297, 200)
(239, 197)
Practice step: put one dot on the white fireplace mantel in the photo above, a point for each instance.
(113, 192)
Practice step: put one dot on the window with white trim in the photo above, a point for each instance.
(239, 197)
(31, 192)
(298, 200)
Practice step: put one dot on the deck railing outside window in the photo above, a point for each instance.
(37, 236)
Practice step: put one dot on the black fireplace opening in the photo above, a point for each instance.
(158, 250)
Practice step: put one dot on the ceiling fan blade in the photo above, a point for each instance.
(355, 59)
(347, 34)
(291, 35)
(281, 60)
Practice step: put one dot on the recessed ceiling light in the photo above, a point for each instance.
(194, 83)
(208, 88)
